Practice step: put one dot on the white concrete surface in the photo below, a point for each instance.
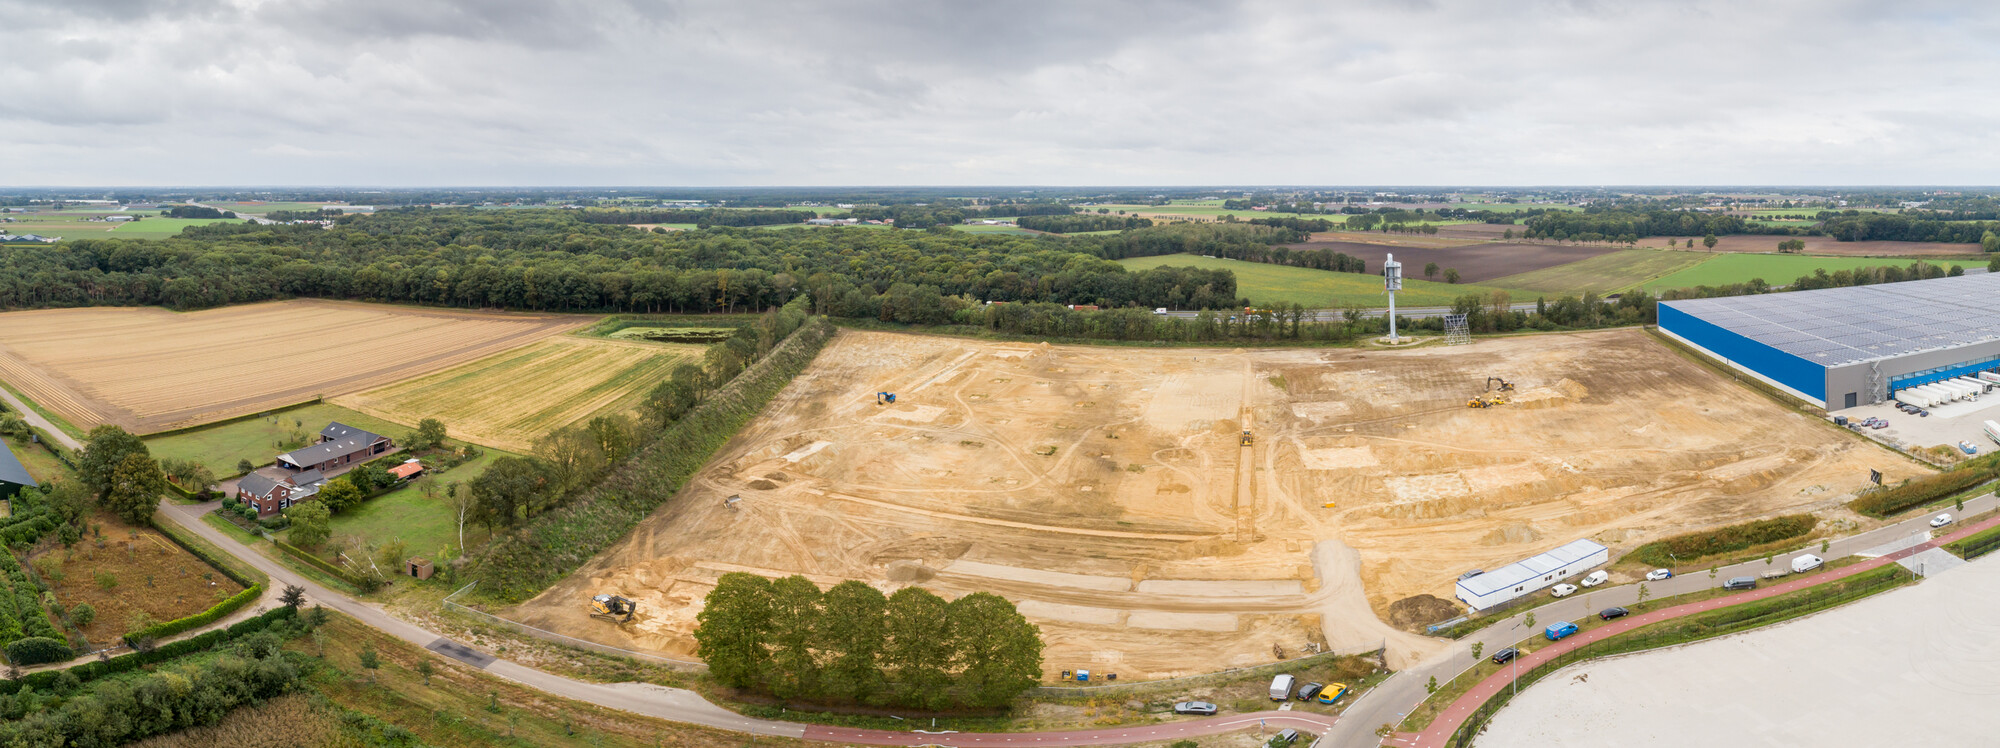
(1916, 666)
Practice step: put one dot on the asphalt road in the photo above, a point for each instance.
(1404, 691)
(35, 419)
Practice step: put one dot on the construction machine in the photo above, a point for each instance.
(885, 398)
(613, 608)
(1485, 402)
(1505, 386)
(1246, 437)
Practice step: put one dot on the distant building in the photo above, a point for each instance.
(273, 495)
(339, 445)
(13, 476)
(1525, 577)
(119, 219)
(26, 239)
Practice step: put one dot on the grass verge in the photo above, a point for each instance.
(59, 421)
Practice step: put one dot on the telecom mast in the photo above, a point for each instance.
(1392, 280)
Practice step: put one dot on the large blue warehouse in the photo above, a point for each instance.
(1846, 347)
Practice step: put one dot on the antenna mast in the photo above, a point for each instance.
(1392, 281)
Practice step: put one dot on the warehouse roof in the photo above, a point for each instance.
(1835, 326)
(1527, 569)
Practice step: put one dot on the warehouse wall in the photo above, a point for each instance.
(1854, 377)
(1803, 378)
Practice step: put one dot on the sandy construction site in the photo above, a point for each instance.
(148, 369)
(1107, 492)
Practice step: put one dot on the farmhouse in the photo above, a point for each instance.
(13, 477)
(339, 444)
(273, 495)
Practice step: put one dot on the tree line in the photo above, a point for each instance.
(701, 218)
(850, 643)
(1081, 222)
(1820, 278)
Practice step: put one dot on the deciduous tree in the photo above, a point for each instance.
(917, 652)
(795, 611)
(311, 523)
(733, 628)
(999, 653)
(850, 635)
(135, 488)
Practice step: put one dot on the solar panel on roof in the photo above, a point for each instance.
(1843, 325)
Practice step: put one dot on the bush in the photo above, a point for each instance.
(360, 583)
(163, 630)
(36, 650)
(1728, 539)
(1919, 491)
(89, 671)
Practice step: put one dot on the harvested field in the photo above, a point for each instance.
(1475, 262)
(1440, 240)
(1606, 273)
(1822, 245)
(1104, 489)
(130, 570)
(151, 370)
(511, 399)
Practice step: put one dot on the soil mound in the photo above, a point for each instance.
(1414, 613)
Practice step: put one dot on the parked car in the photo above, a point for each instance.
(1806, 563)
(1194, 707)
(1614, 612)
(1659, 574)
(1941, 520)
(1471, 574)
(1281, 686)
(1558, 630)
(1562, 590)
(1740, 583)
(1160, 310)
(1286, 736)
(1309, 690)
(1596, 578)
(1505, 656)
(1332, 693)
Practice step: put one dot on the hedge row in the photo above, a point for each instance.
(1920, 491)
(215, 613)
(1694, 545)
(88, 671)
(321, 564)
(521, 564)
(21, 612)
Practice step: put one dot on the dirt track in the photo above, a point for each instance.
(1104, 489)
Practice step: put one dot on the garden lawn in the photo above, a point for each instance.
(41, 465)
(426, 525)
(1607, 273)
(1777, 270)
(1268, 285)
(256, 439)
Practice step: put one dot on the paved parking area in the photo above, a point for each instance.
(1908, 667)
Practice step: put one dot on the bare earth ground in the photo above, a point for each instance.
(1475, 263)
(1823, 245)
(1148, 542)
(149, 369)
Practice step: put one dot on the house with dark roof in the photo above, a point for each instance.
(13, 476)
(339, 445)
(273, 495)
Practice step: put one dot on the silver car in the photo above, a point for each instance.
(1195, 707)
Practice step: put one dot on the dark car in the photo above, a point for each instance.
(1505, 656)
(1309, 690)
(1194, 707)
(1614, 612)
(1740, 583)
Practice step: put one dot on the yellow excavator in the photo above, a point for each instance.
(613, 608)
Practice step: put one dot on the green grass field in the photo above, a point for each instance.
(1777, 270)
(153, 227)
(255, 439)
(41, 465)
(160, 228)
(1268, 285)
(427, 525)
(1206, 209)
(1606, 273)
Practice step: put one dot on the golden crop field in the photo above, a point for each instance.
(511, 399)
(148, 369)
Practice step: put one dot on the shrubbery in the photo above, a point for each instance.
(163, 630)
(1919, 491)
(37, 650)
(1694, 545)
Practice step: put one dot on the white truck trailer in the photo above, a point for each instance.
(1993, 431)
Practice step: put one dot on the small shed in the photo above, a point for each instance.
(419, 567)
(408, 470)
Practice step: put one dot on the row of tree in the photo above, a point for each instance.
(1081, 222)
(852, 644)
(700, 217)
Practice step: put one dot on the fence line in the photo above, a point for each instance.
(1272, 667)
(560, 638)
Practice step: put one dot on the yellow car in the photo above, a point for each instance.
(1332, 693)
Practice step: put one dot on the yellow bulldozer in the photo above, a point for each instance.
(1246, 437)
(1485, 402)
(613, 608)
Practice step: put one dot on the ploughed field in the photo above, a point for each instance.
(1106, 490)
(510, 399)
(150, 370)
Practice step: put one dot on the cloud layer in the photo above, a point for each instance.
(546, 92)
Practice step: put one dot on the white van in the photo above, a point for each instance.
(1562, 590)
(1806, 563)
(1596, 578)
(1281, 687)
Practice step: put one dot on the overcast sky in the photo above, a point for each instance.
(1082, 92)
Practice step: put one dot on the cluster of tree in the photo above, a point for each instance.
(1857, 226)
(701, 218)
(192, 475)
(1602, 224)
(1081, 222)
(1494, 312)
(551, 260)
(323, 214)
(851, 644)
(116, 467)
(1303, 225)
(196, 211)
(1820, 278)
(953, 212)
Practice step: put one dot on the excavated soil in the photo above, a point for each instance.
(1106, 492)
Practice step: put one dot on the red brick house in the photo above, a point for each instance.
(271, 496)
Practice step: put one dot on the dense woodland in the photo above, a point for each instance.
(1081, 222)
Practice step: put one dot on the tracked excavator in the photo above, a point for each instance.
(1505, 386)
(613, 608)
